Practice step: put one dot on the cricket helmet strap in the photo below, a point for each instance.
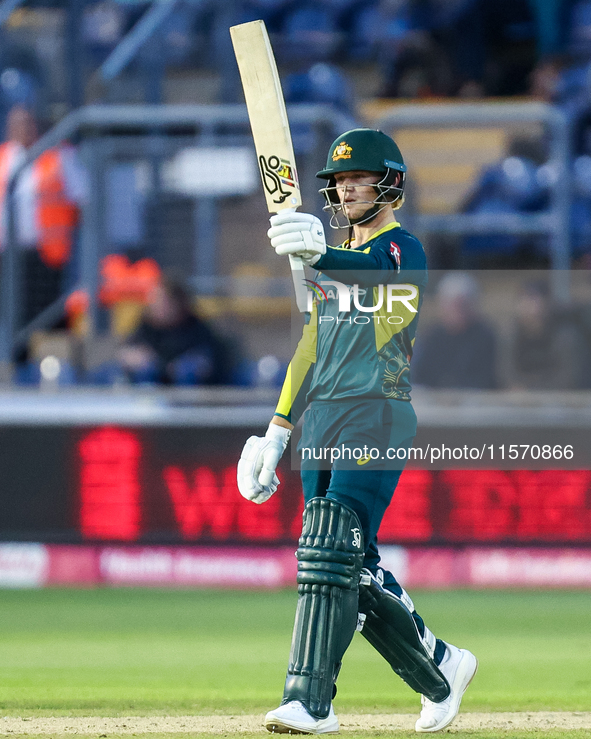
(365, 149)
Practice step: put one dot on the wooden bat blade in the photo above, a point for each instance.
(270, 130)
(267, 114)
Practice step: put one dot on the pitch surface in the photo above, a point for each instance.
(158, 662)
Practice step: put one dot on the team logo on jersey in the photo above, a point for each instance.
(395, 252)
(342, 151)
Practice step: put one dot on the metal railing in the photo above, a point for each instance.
(142, 32)
(220, 125)
(554, 222)
(212, 124)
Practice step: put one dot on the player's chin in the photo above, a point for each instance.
(357, 213)
(353, 210)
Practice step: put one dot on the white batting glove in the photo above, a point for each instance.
(301, 234)
(257, 480)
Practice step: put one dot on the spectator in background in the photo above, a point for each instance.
(103, 26)
(545, 79)
(48, 196)
(413, 63)
(172, 345)
(513, 185)
(464, 48)
(460, 350)
(17, 87)
(543, 351)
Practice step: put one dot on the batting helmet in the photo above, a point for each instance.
(365, 149)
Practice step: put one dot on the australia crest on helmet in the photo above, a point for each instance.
(342, 151)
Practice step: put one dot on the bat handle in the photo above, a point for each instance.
(298, 275)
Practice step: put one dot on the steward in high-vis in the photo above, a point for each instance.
(351, 374)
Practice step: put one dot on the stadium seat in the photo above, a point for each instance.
(581, 208)
(509, 187)
(373, 31)
(310, 32)
(580, 29)
(270, 11)
(321, 83)
(361, 42)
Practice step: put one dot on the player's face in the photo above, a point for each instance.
(355, 190)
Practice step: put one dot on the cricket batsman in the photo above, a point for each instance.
(350, 373)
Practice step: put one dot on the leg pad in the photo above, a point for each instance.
(330, 557)
(390, 628)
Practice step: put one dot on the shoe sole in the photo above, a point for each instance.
(461, 690)
(280, 727)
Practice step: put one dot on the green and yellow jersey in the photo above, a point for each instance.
(358, 338)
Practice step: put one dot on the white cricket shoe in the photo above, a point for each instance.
(292, 718)
(459, 667)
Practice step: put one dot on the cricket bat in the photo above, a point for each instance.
(270, 130)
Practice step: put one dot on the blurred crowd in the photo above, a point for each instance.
(150, 313)
(539, 343)
(413, 49)
(160, 338)
(416, 48)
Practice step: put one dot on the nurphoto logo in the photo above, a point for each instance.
(404, 294)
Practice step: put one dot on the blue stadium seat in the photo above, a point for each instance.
(581, 208)
(580, 29)
(272, 12)
(516, 185)
(29, 374)
(321, 83)
(511, 186)
(375, 32)
(310, 33)
(491, 243)
(309, 18)
(362, 40)
(18, 87)
(177, 33)
(573, 84)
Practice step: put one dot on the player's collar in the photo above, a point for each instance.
(387, 227)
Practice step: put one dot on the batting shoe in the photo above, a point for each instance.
(292, 718)
(459, 667)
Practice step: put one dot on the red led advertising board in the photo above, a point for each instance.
(178, 485)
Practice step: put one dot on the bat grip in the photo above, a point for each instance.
(298, 274)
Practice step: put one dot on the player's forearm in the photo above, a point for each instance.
(369, 269)
(280, 421)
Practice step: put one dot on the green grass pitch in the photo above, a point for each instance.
(175, 652)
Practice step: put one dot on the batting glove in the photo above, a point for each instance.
(301, 234)
(257, 480)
